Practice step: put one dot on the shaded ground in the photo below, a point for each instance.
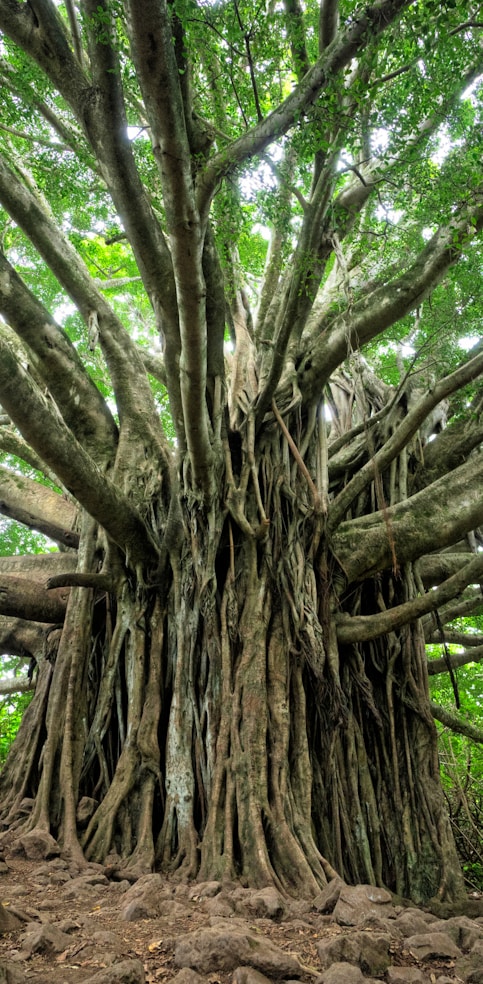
(74, 924)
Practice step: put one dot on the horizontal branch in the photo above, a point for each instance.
(15, 685)
(25, 638)
(360, 628)
(455, 638)
(37, 507)
(38, 567)
(435, 568)
(415, 527)
(27, 599)
(470, 604)
(101, 582)
(436, 666)
(454, 723)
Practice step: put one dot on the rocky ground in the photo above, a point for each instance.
(62, 925)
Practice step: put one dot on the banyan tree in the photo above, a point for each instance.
(240, 284)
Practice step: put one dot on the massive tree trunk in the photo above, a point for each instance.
(212, 721)
(232, 679)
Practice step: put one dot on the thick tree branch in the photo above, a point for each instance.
(19, 637)
(297, 37)
(55, 358)
(37, 507)
(470, 604)
(455, 638)
(69, 383)
(435, 568)
(99, 108)
(12, 443)
(46, 432)
(454, 723)
(436, 666)
(360, 628)
(417, 526)
(22, 598)
(409, 426)
(15, 685)
(450, 448)
(328, 22)
(154, 55)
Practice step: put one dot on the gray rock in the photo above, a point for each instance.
(89, 885)
(329, 896)
(357, 903)
(406, 975)
(68, 925)
(470, 967)
(38, 845)
(267, 903)
(219, 906)
(46, 938)
(86, 808)
(369, 951)
(8, 922)
(204, 890)
(227, 946)
(378, 925)
(432, 946)
(146, 899)
(410, 923)
(342, 973)
(247, 975)
(463, 931)
(126, 972)
(10, 974)
(187, 976)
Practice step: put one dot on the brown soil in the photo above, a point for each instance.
(25, 890)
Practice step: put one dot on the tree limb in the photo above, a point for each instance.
(469, 370)
(15, 685)
(328, 22)
(387, 304)
(27, 599)
(152, 43)
(50, 438)
(360, 628)
(436, 666)
(454, 723)
(419, 525)
(53, 355)
(37, 507)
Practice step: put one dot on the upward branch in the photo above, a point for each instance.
(154, 55)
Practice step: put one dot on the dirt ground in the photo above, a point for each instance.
(99, 934)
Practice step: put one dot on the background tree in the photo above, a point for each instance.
(236, 680)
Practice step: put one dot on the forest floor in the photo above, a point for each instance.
(73, 924)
